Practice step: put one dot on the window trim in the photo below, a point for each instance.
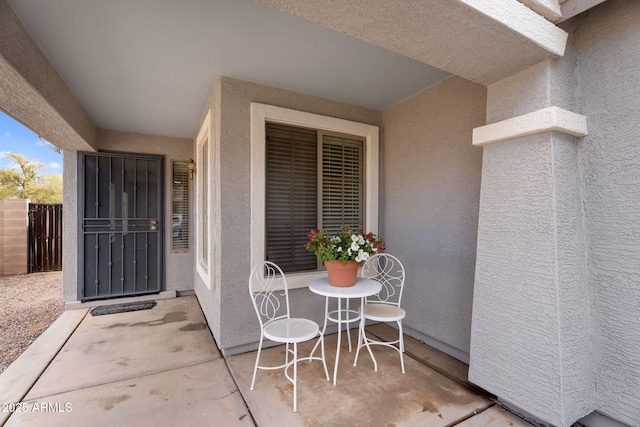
(260, 114)
(202, 265)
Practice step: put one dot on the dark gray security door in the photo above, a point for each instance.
(120, 217)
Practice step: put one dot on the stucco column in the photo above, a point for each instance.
(531, 331)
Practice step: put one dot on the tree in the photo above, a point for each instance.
(27, 181)
(48, 190)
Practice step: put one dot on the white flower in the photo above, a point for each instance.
(362, 256)
(355, 246)
(360, 239)
(335, 239)
(339, 248)
(349, 251)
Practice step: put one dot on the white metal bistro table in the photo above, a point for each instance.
(362, 289)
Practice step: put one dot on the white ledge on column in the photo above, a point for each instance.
(546, 120)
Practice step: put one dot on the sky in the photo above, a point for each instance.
(16, 138)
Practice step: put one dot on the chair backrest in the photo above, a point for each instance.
(269, 292)
(389, 271)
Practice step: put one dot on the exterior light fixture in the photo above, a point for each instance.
(192, 167)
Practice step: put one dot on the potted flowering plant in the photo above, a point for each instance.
(343, 252)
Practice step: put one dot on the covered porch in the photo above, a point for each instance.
(516, 222)
(85, 370)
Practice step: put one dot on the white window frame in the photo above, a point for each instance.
(262, 113)
(202, 262)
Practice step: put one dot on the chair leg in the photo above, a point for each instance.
(324, 360)
(361, 335)
(401, 344)
(255, 369)
(286, 353)
(355, 360)
(364, 343)
(324, 327)
(295, 377)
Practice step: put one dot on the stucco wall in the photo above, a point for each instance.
(555, 320)
(209, 294)
(70, 226)
(531, 340)
(32, 91)
(530, 337)
(483, 41)
(607, 41)
(178, 265)
(238, 323)
(432, 190)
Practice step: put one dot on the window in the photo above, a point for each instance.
(342, 183)
(366, 134)
(180, 207)
(313, 179)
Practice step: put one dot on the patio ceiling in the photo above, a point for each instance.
(148, 66)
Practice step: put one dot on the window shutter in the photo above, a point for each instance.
(291, 195)
(342, 183)
(180, 211)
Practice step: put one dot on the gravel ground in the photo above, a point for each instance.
(28, 305)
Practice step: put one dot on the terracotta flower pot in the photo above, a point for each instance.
(341, 274)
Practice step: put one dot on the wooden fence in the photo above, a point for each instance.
(45, 237)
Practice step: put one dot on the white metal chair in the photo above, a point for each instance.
(270, 296)
(385, 306)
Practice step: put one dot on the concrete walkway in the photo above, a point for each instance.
(161, 367)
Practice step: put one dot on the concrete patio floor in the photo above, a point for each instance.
(161, 367)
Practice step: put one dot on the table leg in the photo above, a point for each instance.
(346, 325)
(360, 326)
(335, 368)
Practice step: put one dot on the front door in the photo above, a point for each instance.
(120, 225)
